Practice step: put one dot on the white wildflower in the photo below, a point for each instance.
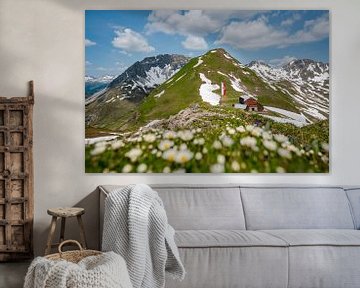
(280, 170)
(199, 141)
(281, 138)
(198, 130)
(227, 141)
(271, 145)
(249, 128)
(198, 156)
(166, 169)
(205, 150)
(240, 129)
(266, 135)
(248, 141)
(97, 150)
(117, 144)
(183, 146)
(134, 154)
(183, 156)
(127, 168)
(217, 168)
(325, 146)
(221, 159)
(165, 144)
(185, 135)
(284, 153)
(149, 138)
(169, 155)
(158, 154)
(325, 159)
(141, 168)
(217, 144)
(256, 131)
(154, 151)
(230, 130)
(169, 135)
(235, 166)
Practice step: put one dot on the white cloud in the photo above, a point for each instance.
(194, 25)
(89, 43)
(251, 34)
(291, 20)
(132, 41)
(88, 63)
(259, 34)
(194, 43)
(278, 62)
(314, 30)
(192, 22)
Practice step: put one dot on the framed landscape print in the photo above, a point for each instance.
(207, 91)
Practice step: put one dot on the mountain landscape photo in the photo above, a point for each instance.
(164, 93)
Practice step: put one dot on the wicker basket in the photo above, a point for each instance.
(72, 256)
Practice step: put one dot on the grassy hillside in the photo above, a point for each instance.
(183, 88)
(113, 114)
(245, 142)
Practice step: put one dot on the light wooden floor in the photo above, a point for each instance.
(12, 274)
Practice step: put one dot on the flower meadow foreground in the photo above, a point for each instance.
(230, 149)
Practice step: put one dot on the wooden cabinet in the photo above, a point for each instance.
(16, 177)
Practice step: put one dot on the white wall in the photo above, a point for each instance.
(43, 40)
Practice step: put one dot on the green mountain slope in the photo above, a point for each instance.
(218, 66)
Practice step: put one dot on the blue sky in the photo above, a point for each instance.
(115, 39)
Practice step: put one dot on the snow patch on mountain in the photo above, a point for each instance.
(306, 81)
(284, 120)
(159, 94)
(156, 76)
(206, 91)
(180, 77)
(102, 79)
(200, 61)
(292, 115)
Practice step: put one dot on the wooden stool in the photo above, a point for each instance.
(64, 213)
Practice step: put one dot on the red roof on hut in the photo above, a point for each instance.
(251, 102)
(253, 105)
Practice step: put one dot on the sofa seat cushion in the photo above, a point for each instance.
(225, 238)
(317, 237)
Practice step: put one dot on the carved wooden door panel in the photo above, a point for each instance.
(16, 178)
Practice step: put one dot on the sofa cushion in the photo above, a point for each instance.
(225, 267)
(203, 208)
(226, 238)
(324, 266)
(317, 237)
(354, 198)
(296, 208)
(191, 207)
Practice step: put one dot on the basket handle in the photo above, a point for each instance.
(69, 241)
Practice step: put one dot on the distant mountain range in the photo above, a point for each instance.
(158, 87)
(94, 85)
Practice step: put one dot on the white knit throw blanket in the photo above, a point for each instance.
(103, 271)
(136, 227)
